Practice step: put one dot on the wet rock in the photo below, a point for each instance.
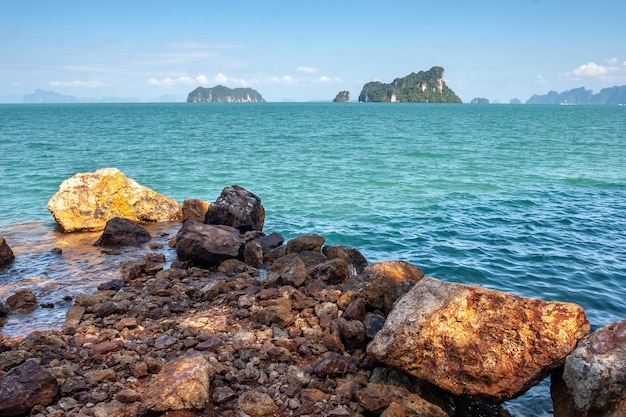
(182, 384)
(206, 244)
(474, 341)
(24, 387)
(22, 301)
(382, 283)
(195, 209)
(595, 373)
(148, 264)
(123, 232)
(352, 256)
(255, 403)
(311, 242)
(237, 207)
(6, 254)
(86, 201)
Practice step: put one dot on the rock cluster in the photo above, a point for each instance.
(245, 323)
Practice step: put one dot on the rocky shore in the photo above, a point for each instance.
(245, 323)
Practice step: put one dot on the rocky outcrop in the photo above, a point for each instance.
(594, 376)
(207, 244)
(26, 386)
(474, 341)
(195, 209)
(221, 94)
(6, 254)
(342, 97)
(22, 301)
(123, 232)
(86, 201)
(238, 208)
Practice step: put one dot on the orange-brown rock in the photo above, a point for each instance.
(471, 340)
(86, 201)
(6, 254)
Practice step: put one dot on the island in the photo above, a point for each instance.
(222, 94)
(612, 95)
(422, 87)
(342, 97)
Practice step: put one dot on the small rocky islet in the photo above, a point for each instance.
(245, 323)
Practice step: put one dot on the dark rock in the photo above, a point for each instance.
(237, 207)
(114, 284)
(350, 255)
(356, 310)
(195, 209)
(123, 232)
(352, 332)
(333, 365)
(24, 387)
(253, 253)
(373, 324)
(382, 283)
(22, 301)
(310, 242)
(595, 373)
(6, 254)
(334, 271)
(271, 241)
(207, 244)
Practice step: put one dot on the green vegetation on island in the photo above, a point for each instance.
(422, 87)
(220, 94)
(342, 97)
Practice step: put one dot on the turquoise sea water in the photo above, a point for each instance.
(520, 198)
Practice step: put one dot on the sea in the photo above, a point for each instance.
(528, 199)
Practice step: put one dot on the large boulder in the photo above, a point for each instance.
(382, 283)
(595, 375)
(26, 386)
(86, 201)
(206, 244)
(475, 341)
(123, 232)
(182, 384)
(238, 208)
(6, 254)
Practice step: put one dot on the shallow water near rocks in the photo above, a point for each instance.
(519, 198)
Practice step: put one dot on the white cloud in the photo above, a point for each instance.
(590, 69)
(326, 79)
(285, 79)
(221, 78)
(307, 70)
(202, 79)
(78, 83)
(612, 61)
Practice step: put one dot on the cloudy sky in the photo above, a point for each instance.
(308, 50)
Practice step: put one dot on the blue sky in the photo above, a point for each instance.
(308, 50)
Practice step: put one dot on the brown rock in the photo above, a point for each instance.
(471, 340)
(123, 232)
(253, 253)
(86, 201)
(22, 301)
(194, 209)
(24, 387)
(382, 283)
(279, 315)
(255, 403)
(182, 384)
(353, 257)
(310, 242)
(98, 375)
(6, 254)
(352, 332)
(73, 316)
(237, 207)
(333, 271)
(595, 373)
(333, 365)
(207, 245)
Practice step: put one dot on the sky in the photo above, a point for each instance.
(309, 50)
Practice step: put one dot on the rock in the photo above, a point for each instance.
(73, 316)
(195, 209)
(253, 253)
(351, 256)
(382, 283)
(237, 207)
(379, 397)
(207, 245)
(182, 384)
(595, 372)
(352, 332)
(86, 201)
(255, 403)
(333, 365)
(109, 409)
(26, 386)
(123, 232)
(6, 254)
(333, 271)
(271, 241)
(474, 341)
(311, 242)
(22, 301)
(293, 273)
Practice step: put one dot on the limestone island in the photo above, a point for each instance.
(423, 87)
(222, 94)
(342, 97)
